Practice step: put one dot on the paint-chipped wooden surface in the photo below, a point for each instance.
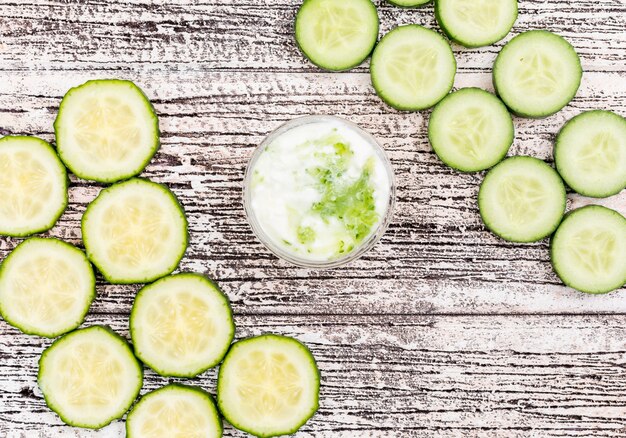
(442, 329)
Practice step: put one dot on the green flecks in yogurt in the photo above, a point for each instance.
(351, 203)
(343, 199)
(306, 235)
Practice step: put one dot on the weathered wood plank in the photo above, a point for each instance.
(407, 376)
(236, 35)
(222, 74)
(437, 255)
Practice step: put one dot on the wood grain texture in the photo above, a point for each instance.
(412, 375)
(442, 329)
(436, 251)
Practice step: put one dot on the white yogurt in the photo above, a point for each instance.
(319, 190)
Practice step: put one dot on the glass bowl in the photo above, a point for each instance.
(302, 261)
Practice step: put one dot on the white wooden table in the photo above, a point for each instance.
(442, 329)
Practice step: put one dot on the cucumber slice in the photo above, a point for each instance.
(412, 68)
(522, 199)
(588, 251)
(476, 23)
(106, 130)
(89, 377)
(470, 130)
(174, 411)
(336, 35)
(33, 186)
(590, 153)
(181, 325)
(268, 385)
(408, 3)
(135, 231)
(537, 74)
(46, 287)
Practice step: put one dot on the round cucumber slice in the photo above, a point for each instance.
(590, 153)
(268, 385)
(412, 68)
(135, 231)
(408, 3)
(336, 35)
(476, 23)
(174, 411)
(537, 74)
(471, 130)
(33, 186)
(588, 251)
(522, 199)
(46, 287)
(89, 377)
(181, 325)
(106, 130)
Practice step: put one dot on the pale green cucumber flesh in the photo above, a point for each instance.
(412, 68)
(537, 73)
(89, 377)
(46, 287)
(181, 325)
(174, 410)
(408, 3)
(336, 35)
(476, 23)
(268, 385)
(135, 231)
(33, 186)
(588, 250)
(590, 153)
(106, 130)
(470, 130)
(522, 199)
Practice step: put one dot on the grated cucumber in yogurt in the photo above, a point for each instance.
(319, 190)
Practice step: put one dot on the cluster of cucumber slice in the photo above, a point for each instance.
(535, 75)
(523, 199)
(135, 231)
(180, 326)
(412, 67)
